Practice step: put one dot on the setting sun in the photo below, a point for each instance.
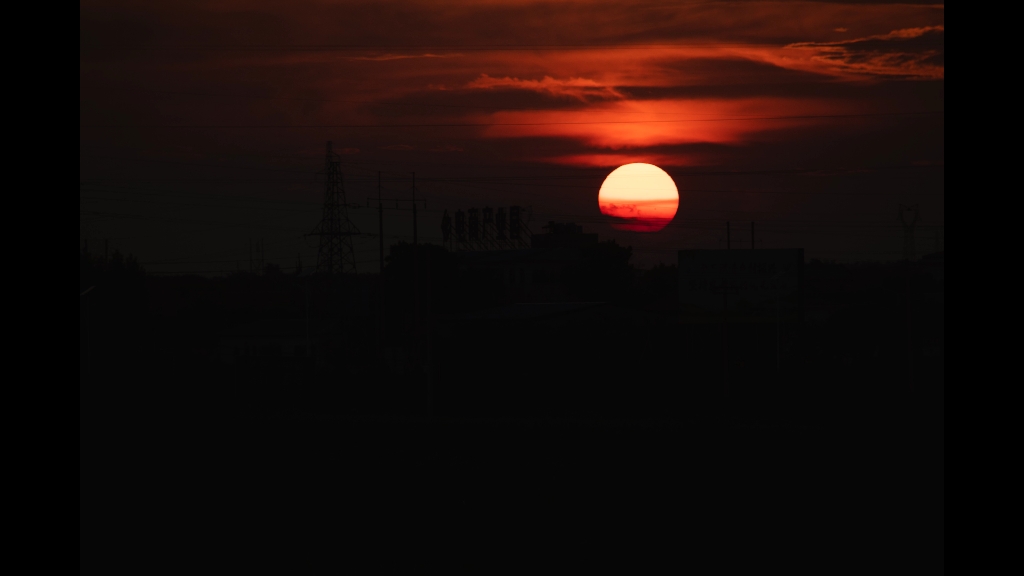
(639, 197)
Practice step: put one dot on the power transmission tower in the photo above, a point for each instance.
(908, 216)
(336, 255)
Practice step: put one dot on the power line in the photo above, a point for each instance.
(180, 163)
(375, 166)
(490, 124)
(377, 49)
(199, 195)
(250, 96)
(179, 220)
(166, 203)
(517, 182)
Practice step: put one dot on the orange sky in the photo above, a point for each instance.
(689, 72)
(514, 85)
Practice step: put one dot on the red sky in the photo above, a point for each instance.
(202, 122)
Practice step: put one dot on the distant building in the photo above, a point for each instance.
(534, 274)
(562, 236)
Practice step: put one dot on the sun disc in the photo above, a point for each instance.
(639, 197)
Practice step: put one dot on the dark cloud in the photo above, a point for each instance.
(909, 53)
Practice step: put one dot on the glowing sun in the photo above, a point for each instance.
(639, 197)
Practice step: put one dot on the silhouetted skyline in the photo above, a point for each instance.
(203, 128)
(755, 370)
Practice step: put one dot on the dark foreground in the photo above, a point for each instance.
(816, 446)
(230, 494)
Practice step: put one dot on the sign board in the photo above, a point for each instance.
(740, 285)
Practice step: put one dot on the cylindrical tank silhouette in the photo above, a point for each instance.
(513, 222)
(485, 229)
(499, 223)
(474, 224)
(446, 227)
(460, 226)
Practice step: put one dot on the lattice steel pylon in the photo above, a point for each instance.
(336, 255)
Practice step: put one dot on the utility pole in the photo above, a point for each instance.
(778, 322)
(413, 208)
(415, 282)
(381, 320)
(380, 223)
(428, 361)
(908, 216)
(309, 344)
(910, 333)
(446, 230)
(725, 331)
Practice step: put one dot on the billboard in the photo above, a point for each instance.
(740, 285)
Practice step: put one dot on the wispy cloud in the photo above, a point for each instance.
(387, 57)
(407, 147)
(628, 124)
(907, 52)
(582, 89)
(612, 160)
